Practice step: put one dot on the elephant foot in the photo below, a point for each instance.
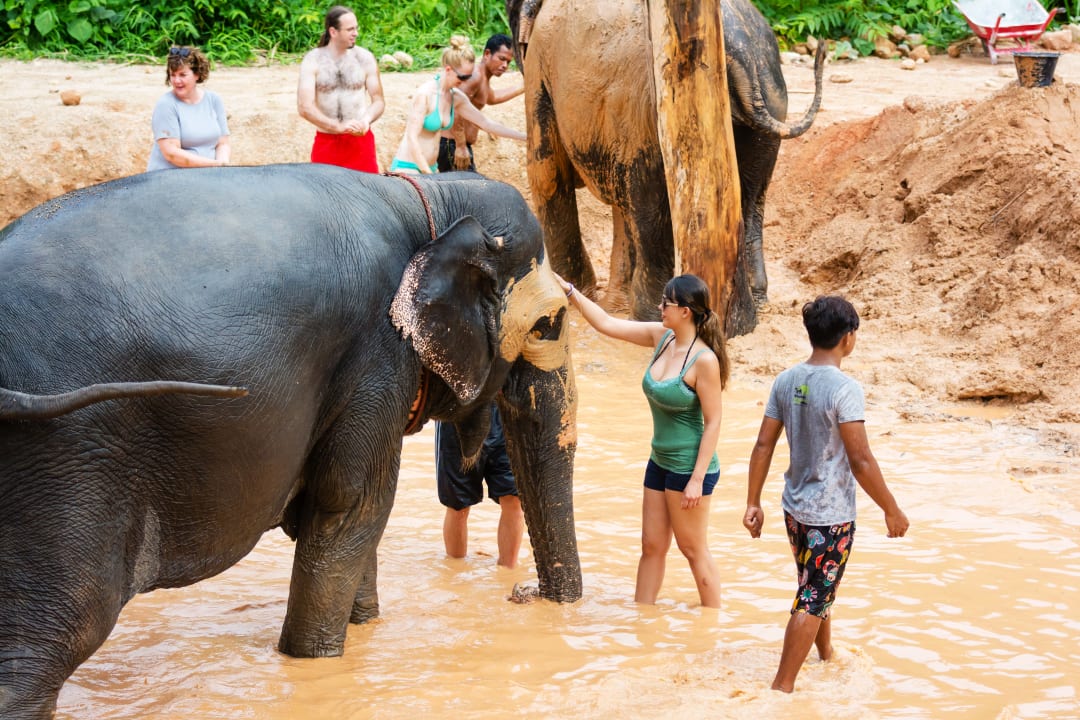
(524, 594)
(311, 647)
(761, 298)
(362, 614)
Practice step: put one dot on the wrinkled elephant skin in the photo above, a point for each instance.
(319, 293)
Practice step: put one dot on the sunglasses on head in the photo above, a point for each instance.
(181, 51)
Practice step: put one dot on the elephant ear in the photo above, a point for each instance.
(448, 305)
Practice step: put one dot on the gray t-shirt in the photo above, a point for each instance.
(198, 126)
(812, 401)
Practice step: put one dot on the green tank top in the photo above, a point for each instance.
(677, 420)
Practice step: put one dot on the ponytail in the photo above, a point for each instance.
(691, 292)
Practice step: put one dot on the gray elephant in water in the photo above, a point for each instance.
(592, 116)
(190, 358)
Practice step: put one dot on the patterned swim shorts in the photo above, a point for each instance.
(821, 553)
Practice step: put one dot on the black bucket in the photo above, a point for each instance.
(1035, 69)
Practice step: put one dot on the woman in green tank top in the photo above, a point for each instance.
(683, 384)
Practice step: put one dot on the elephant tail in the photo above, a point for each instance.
(23, 406)
(762, 119)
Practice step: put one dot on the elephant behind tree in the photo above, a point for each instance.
(594, 110)
(321, 292)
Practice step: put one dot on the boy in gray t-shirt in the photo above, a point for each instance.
(821, 410)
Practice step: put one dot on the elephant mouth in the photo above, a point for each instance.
(417, 411)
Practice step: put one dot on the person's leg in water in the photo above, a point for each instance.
(821, 554)
(458, 490)
(511, 530)
(691, 529)
(655, 536)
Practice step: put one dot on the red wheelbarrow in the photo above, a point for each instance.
(994, 20)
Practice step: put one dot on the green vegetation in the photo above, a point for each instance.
(245, 31)
(861, 21)
(234, 32)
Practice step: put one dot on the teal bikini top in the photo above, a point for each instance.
(433, 120)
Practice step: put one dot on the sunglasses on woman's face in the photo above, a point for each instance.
(461, 77)
(182, 52)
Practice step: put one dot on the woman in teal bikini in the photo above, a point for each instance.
(433, 108)
(683, 383)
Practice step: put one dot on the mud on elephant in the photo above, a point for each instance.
(593, 122)
(134, 317)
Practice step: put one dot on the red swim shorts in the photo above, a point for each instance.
(352, 151)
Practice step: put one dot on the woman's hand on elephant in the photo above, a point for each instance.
(562, 283)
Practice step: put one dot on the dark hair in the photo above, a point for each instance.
(193, 58)
(333, 20)
(828, 319)
(497, 42)
(690, 291)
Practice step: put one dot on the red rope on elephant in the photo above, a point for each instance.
(415, 419)
(423, 199)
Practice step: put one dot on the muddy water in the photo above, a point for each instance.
(973, 615)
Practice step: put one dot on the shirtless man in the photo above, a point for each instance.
(340, 94)
(455, 144)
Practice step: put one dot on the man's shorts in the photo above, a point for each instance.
(821, 553)
(657, 478)
(356, 152)
(459, 489)
(447, 147)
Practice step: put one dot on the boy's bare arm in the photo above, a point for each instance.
(865, 469)
(760, 460)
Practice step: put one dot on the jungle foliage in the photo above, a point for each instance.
(246, 31)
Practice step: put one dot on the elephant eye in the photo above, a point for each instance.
(549, 327)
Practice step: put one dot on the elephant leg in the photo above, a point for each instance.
(622, 263)
(54, 616)
(349, 490)
(647, 222)
(757, 154)
(553, 183)
(366, 603)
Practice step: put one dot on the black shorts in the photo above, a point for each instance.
(459, 489)
(447, 147)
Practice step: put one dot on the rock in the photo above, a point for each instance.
(907, 64)
(1057, 40)
(811, 44)
(790, 58)
(70, 97)
(884, 48)
(915, 104)
(388, 62)
(1075, 30)
(801, 48)
(920, 53)
(404, 58)
(897, 34)
(914, 39)
(903, 49)
(840, 78)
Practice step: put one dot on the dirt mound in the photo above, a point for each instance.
(957, 221)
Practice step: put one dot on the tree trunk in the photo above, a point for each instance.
(694, 122)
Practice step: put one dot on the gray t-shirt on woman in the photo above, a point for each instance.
(198, 126)
(812, 401)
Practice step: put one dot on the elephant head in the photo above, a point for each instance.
(488, 320)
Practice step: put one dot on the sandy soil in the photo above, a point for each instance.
(940, 200)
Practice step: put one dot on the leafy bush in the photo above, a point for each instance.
(861, 21)
(237, 31)
(240, 31)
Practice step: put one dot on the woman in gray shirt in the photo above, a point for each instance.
(189, 125)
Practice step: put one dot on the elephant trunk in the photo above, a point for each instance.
(541, 442)
(753, 106)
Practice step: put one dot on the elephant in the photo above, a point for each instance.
(191, 358)
(592, 121)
